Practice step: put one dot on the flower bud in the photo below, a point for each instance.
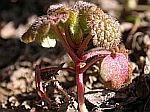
(114, 70)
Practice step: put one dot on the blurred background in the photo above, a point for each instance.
(17, 60)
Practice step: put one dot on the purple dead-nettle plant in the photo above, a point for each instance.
(75, 27)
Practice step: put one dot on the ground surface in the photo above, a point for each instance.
(18, 60)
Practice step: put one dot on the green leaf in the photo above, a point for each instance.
(48, 39)
(41, 26)
(28, 36)
(83, 22)
(74, 29)
(134, 19)
(85, 10)
(41, 32)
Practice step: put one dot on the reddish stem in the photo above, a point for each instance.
(91, 54)
(80, 88)
(65, 44)
(84, 45)
(49, 69)
(98, 55)
(40, 89)
(94, 60)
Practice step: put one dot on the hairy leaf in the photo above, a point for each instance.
(104, 29)
(73, 27)
(58, 13)
(76, 22)
(40, 27)
(84, 9)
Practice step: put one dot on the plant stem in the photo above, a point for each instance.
(39, 87)
(49, 69)
(40, 90)
(94, 60)
(80, 89)
(98, 55)
(67, 47)
(84, 45)
(91, 54)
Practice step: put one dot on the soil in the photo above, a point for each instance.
(18, 61)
